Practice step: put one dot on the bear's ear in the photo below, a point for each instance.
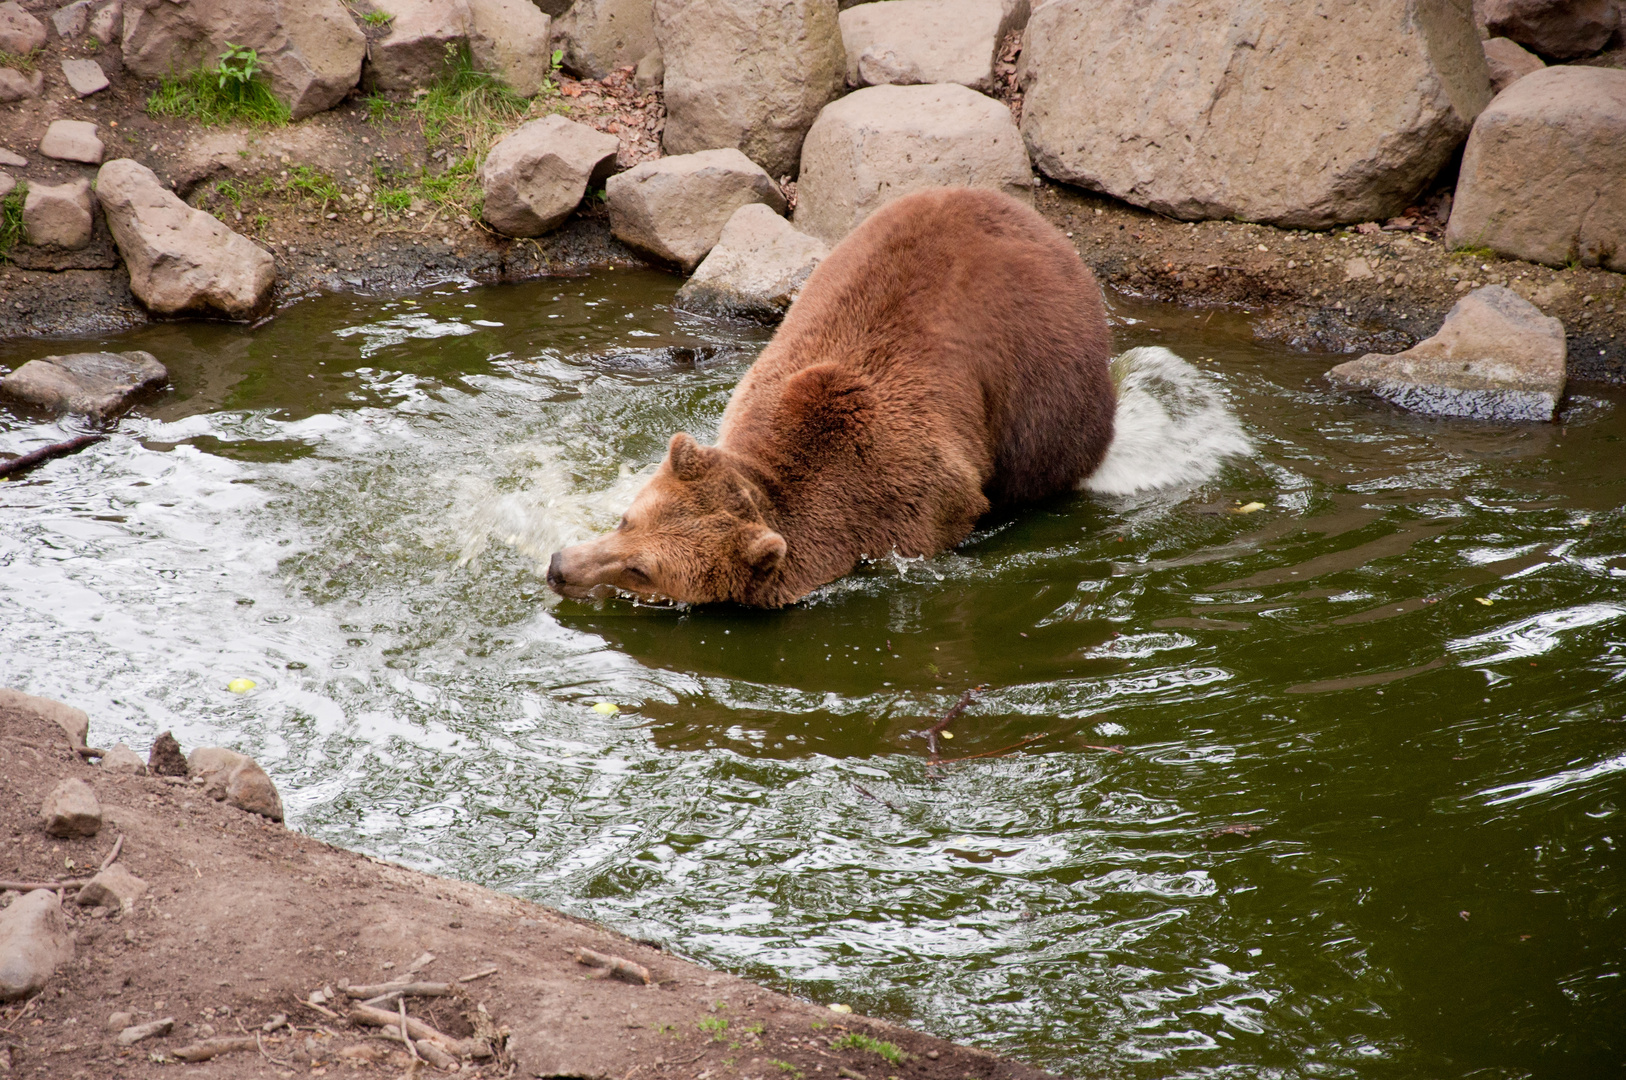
(765, 550)
(689, 458)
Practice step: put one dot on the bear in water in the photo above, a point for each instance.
(948, 357)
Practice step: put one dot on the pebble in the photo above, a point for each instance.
(121, 759)
(119, 1021)
(114, 887)
(34, 942)
(71, 809)
(132, 1035)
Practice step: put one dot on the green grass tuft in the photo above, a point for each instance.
(24, 62)
(855, 1040)
(715, 1026)
(230, 92)
(377, 18)
(11, 218)
(468, 107)
(1481, 254)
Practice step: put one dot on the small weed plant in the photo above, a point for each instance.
(857, 1040)
(377, 18)
(232, 91)
(787, 1067)
(11, 218)
(24, 62)
(715, 1026)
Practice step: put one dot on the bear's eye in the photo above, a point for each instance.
(636, 574)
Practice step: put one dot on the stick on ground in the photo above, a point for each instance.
(614, 965)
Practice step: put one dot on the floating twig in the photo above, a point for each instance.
(614, 965)
(1001, 752)
(27, 461)
(870, 795)
(948, 718)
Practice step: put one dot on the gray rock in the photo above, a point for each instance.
(1544, 174)
(1496, 357)
(71, 809)
(181, 260)
(114, 887)
(34, 942)
(20, 32)
(509, 38)
(747, 75)
(122, 759)
(132, 1035)
(72, 140)
(599, 36)
(757, 269)
(107, 25)
(59, 215)
(535, 177)
(236, 779)
(20, 86)
(7, 184)
(674, 208)
(11, 159)
(73, 722)
(881, 142)
(96, 384)
(1508, 63)
(85, 76)
(118, 1021)
(1248, 108)
(70, 20)
(651, 71)
(928, 41)
(1560, 28)
(165, 757)
(311, 50)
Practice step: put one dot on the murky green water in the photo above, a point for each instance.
(350, 507)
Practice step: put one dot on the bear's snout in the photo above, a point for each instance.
(556, 576)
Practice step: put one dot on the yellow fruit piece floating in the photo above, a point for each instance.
(1249, 508)
(1481, 600)
(241, 686)
(608, 708)
(838, 1008)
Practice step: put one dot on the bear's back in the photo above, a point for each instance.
(965, 303)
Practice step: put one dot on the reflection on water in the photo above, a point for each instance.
(1365, 820)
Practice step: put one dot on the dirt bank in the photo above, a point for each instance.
(343, 200)
(243, 919)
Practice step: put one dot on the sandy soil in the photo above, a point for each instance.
(244, 919)
(1344, 292)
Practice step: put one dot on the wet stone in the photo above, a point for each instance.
(96, 384)
(71, 810)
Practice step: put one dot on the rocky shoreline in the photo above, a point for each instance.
(211, 936)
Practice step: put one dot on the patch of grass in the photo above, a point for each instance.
(228, 190)
(24, 62)
(468, 107)
(856, 1040)
(787, 1067)
(11, 218)
(379, 107)
(304, 180)
(230, 92)
(1478, 254)
(378, 18)
(715, 1026)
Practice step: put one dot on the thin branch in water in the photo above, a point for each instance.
(948, 718)
(46, 453)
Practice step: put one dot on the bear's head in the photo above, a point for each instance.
(694, 534)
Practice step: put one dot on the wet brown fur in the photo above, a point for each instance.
(950, 356)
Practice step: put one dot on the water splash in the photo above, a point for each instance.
(1173, 426)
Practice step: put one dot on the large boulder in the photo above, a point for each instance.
(95, 384)
(598, 36)
(881, 142)
(20, 32)
(1262, 111)
(1496, 357)
(1544, 174)
(236, 779)
(180, 259)
(534, 177)
(748, 75)
(59, 215)
(34, 942)
(674, 208)
(75, 724)
(757, 269)
(1559, 28)
(311, 50)
(928, 41)
(1508, 62)
(507, 38)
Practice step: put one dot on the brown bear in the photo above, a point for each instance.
(948, 357)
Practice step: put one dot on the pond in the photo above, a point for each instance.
(1329, 788)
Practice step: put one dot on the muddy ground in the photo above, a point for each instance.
(1345, 291)
(243, 919)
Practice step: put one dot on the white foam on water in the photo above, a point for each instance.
(1174, 426)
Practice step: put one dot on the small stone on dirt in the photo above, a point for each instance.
(71, 809)
(1357, 269)
(132, 1035)
(20, 86)
(70, 20)
(114, 887)
(237, 779)
(119, 1021)
(535, 177)
(34, 942)
(85, 76)
(121, 759)
(95, 384)
(165, 757)
(59, 215)
(12, 160)
(108, 24)
(72, 140)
